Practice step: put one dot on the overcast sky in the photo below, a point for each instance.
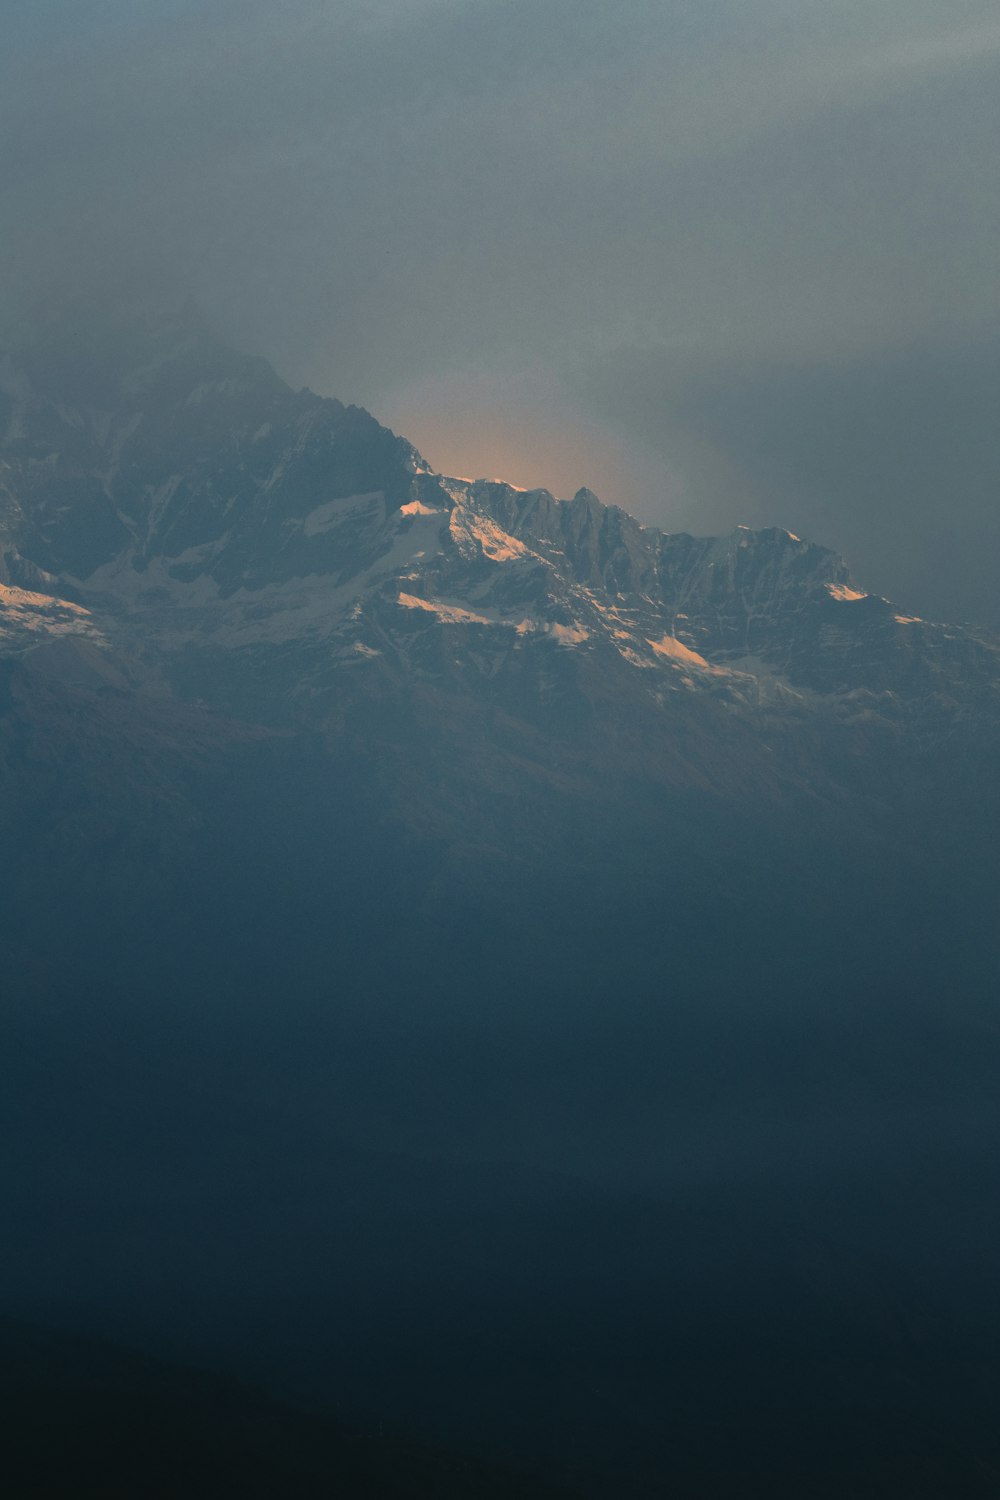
(721, 260)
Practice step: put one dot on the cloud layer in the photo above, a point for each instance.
(722, 261)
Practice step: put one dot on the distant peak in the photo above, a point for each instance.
(88, 352)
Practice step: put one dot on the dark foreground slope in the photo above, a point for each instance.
(483, 966)
(86, 1419)
(621, 1182)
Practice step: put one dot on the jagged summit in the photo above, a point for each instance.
(145, 440)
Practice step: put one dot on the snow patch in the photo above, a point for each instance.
(634, 659)
(25, 615)
(568, 635)
(448, 612)
(418, 508)
(675, 650)
(15, 598)
(842, 592)
(473, 533)
(330, 515)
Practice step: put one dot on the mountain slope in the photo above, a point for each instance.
(477, 958)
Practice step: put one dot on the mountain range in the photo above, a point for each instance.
(180, 501)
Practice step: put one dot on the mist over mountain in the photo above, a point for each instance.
(478, 961)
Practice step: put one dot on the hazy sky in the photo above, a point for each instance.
(721, 260)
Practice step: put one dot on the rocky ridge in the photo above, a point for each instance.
(164, 498)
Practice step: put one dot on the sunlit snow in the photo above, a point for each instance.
(841, 591)
(418, 508)
(568, 635)
(670, 646)
(449, 612)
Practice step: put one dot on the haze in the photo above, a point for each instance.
(721, 262)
